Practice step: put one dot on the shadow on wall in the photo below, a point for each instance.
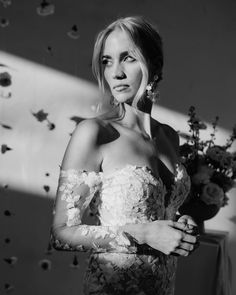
(27, 267)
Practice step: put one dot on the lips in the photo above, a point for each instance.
(121, 87)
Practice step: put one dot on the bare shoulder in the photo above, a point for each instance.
(88, 128)
(83, 150)
(93, 130)
(169, 133)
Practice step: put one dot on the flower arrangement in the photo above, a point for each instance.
(211, 167)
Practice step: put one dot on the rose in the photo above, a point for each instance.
(212, 194)
(186, 150)
(221, 156)
(203, 175)
(215, 153)
(226, 160)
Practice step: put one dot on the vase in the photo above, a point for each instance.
(199, 211)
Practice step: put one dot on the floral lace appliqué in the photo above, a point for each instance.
(71, 180)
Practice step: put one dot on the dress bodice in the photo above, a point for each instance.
(132, 194)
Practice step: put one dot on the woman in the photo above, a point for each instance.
(123, 167)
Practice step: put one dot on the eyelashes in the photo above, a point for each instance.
(105, 61)
(108, 61)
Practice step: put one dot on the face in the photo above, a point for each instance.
(122, 70)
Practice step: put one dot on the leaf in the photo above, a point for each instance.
(51, 126)
(49, 50)
(8, 287)
(7, 213)
(45, 8)
(73, 33)
(46, 188)
(5, 126)
(4, 22)
(5, 148)
(185, 135)
(5, 79)
(45, 264)
(7, 240)
(11, 260)
(40, 115)
(202, 125)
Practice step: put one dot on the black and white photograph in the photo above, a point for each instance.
(117, 147)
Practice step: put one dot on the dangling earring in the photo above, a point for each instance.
(152, 92)
(114, 102)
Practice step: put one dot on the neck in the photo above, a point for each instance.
(130, 117)
(136, 119)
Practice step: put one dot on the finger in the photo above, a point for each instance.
(193, 230)
(179, 225)
(190, 221)
(189, 238)
(185, 249)
(180, 252)
(187, 219)
(186, 246)
(183, 218)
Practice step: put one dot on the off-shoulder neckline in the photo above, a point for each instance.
(133, 166)
(120, 169)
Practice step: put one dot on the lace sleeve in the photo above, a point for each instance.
(75, 192)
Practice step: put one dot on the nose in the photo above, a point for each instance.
(118, 72)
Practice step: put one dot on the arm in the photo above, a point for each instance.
(78, 183)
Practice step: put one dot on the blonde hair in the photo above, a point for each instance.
(147, 49)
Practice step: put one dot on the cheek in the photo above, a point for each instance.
(138, 76)
(107, 77)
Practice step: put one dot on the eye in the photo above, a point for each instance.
(129, 58)
(106, 61)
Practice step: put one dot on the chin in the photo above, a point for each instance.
(124, 98)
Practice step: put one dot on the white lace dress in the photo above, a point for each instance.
(132, 194)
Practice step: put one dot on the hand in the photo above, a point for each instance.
(169, 237)
(191, 226)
